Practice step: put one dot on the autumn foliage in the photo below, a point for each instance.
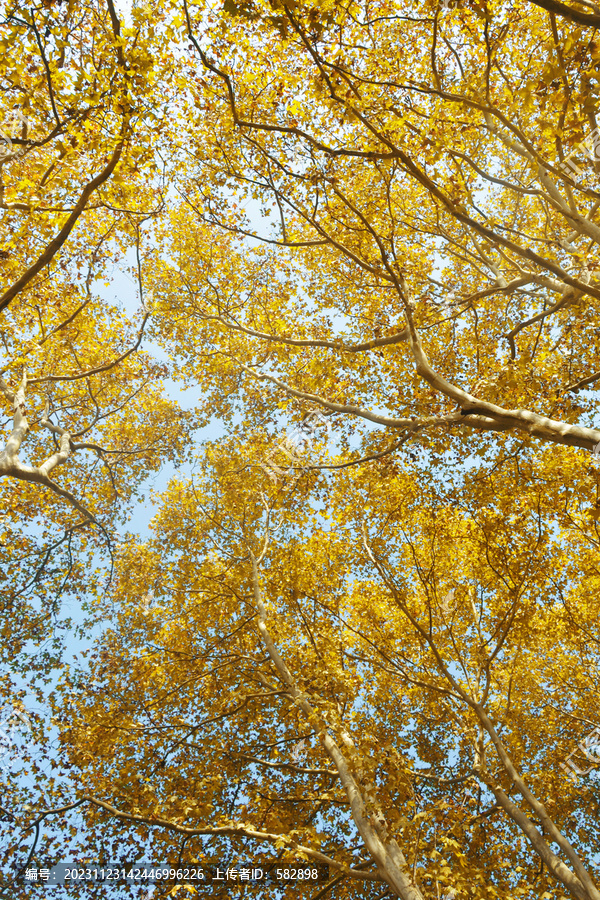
(363, 631)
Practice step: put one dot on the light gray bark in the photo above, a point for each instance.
(10, 464)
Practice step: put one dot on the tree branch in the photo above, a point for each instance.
(55, 245)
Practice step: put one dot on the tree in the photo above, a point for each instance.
(414, 613)
(81, 114)
(85, 418)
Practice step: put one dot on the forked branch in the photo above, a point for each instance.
(12, 467)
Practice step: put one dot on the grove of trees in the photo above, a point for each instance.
(363, 631)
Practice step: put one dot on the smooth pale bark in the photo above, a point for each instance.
(12, 467)
(578, 882)
(371, 825)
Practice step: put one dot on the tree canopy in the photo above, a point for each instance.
(363, 632)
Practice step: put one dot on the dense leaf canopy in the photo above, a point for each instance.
(363, 632)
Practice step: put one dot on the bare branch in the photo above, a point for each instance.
(55, 245)
(239, 830)
(567, 12)
(12, 467)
